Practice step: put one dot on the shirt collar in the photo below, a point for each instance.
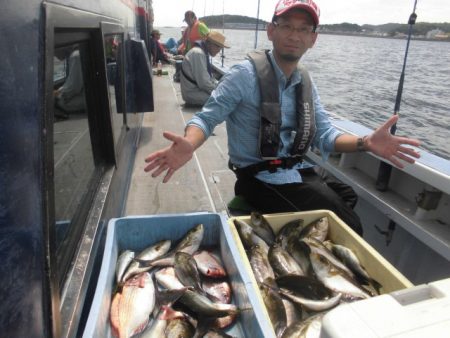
(295, 77)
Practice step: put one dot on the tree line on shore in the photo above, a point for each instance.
(390, 29)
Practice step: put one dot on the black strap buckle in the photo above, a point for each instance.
(269, 165)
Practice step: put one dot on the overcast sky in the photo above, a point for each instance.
(171, 12)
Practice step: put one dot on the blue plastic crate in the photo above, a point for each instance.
(138, 232)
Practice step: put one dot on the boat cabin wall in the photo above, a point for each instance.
(65, 168)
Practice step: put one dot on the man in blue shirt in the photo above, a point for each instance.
(237, 100)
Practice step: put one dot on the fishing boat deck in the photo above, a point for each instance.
(204, 184)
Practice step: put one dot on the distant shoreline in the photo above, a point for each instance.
(337, 33)
(385, 37)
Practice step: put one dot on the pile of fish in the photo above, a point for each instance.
(301, 274)
(179, 292)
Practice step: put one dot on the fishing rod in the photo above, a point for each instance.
(384, 171)
(257, 24)
(223, 29)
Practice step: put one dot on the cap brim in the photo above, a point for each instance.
(304, 7)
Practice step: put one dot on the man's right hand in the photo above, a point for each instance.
(171, 158)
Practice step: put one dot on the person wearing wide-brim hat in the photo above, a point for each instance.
(197, 81)
(217, 39)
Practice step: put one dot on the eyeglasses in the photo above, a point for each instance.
(288, 29)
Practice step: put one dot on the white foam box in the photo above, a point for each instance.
(340, 233)
(419, 312)
(138, 232)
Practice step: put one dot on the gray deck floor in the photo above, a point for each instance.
(203, 184)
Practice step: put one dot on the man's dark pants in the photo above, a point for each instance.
(312, 194)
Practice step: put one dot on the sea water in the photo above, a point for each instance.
(357, 78)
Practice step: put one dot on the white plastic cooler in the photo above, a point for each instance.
(419, 312)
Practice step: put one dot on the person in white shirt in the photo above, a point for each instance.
(197, 81)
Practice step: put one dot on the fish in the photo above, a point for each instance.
(179, 328)
(305, 286)
(224, 322)
(219, 291)
(261, 267)
(216, 334)
(293, 312)
(275, 308)
(209, 265)
(312, 304)
(290, 229)
(349, 258)
(300, 251)
(262, 227)
(131, 308)
(189, 244)
(335, 279)
(152, 252)
(317, 229)
(318, 247)
(248, 236)
(282, 262)
(194, 300)
(186, 270)
(122, 264)
(159, 324)
(308, 328)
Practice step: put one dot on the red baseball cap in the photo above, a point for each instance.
(284, 6)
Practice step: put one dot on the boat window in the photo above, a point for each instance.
(114, 54)
(73, 153)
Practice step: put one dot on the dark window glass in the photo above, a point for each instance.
(72, 147)
(114, 70)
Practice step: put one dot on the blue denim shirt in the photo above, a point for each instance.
(236, 100)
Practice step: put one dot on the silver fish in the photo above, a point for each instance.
(195, 301)
(179, 328)
(293, 312)
(291, 229)
(317, 229)
(209, 265)
(159, 324)
(216, 334)
(333, 278)
(186, 270)
(312, 304)
(219, 290)
(189, 244)
(248, 236)
(261, 267)
(152, 252)
(300, 251)
(275, 308)
(122, 264)
(349, 258)
(308, 328)
(318, 247)
(282, 262)
(261, 227)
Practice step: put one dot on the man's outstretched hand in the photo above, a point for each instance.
(171, 158)
(382, 143)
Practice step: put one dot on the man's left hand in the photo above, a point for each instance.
(382, 143)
